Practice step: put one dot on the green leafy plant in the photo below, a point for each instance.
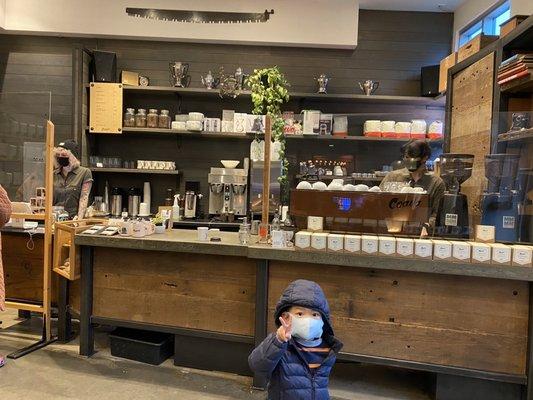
(269, 93)
(158, 219)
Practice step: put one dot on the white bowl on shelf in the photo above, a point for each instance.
(375, 189)
(304, 185)
(349, 187)
(361, 188)
(230, 163)
(319, 186)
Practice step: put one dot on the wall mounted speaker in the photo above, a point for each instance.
(429, 81)
(104, 66)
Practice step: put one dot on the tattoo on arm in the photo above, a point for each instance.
(84, 199)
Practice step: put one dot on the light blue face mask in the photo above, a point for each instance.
(307, 328)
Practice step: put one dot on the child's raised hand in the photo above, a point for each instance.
(285, 330)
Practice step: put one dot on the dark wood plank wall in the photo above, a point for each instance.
(392, 48)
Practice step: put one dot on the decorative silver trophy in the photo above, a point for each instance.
(368, 87)
(179, 74)
(322, 81)
(209, 81)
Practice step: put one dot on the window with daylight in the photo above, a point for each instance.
(488, 23)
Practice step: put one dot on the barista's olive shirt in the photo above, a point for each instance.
(432, 184)
(67, 190)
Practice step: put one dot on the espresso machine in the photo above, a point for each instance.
(228, 192)
(192, 209)
(501, 200)
(453, 213)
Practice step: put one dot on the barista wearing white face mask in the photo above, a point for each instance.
(415, 155)
(72, 182)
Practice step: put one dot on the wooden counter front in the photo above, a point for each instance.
(195, 291)
(467, 322)
(23, 268)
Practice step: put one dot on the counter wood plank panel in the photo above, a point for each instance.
(195, 291)
(23, 268)
(467, 322)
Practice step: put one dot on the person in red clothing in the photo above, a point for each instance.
(5, 214)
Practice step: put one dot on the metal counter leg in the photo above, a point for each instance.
(261, 312)
(529, 361)
(86, 306)
(64, 326)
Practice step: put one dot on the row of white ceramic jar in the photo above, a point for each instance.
(430, 249)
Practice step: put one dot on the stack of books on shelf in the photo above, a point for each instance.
(515, 70)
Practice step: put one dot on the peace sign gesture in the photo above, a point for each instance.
(285, 330)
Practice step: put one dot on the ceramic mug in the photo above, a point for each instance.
(203, 233)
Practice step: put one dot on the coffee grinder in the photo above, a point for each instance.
(453, 215)
(500, 205)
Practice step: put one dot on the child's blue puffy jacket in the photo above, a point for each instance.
(289, 376)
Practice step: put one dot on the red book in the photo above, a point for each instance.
(511, 72)
(513, 77)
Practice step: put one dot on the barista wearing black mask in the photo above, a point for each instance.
(72, 182)
(415, 154)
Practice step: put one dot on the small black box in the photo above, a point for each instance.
(144, 346)
(104, 66)
(429, 81)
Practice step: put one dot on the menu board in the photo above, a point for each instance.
(105, 111)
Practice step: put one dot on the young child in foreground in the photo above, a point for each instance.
(297, 358)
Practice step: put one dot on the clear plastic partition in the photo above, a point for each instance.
(391, 174)
(23, 117)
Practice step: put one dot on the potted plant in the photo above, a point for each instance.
(159, 223)
(269, 93)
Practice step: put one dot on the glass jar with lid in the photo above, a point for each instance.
(129, 117)
(164, 119)
(140, 118)
(151, 118)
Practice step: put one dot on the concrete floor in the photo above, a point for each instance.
(57, 372)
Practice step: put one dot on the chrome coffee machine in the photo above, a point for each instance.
(228, 192)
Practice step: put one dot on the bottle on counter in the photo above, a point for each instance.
(276, 224)
(244, 232)
(176, 216)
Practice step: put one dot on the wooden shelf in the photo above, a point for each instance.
(250, 136)
(524, 84)
(516, 137)
(352, 138)
(135, 171)
(439, 101)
